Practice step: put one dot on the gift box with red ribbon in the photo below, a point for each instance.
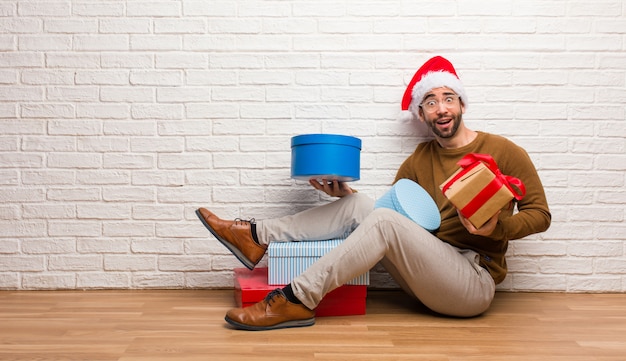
(479, 190)
(252, 287)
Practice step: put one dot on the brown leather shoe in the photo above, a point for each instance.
(235, 235)
(274, 312)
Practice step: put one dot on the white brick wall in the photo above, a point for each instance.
(119, 118)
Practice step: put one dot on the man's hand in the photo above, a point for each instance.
(486, 229)
(332, 188)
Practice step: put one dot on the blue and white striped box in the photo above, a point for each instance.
(287, 260)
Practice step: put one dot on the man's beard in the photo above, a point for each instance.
(456, 123)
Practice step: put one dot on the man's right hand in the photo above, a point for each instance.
(333, 188)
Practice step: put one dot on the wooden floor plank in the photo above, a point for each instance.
(128, 325)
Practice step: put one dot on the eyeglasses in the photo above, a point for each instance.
(432, 105)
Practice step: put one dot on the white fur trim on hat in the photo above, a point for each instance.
(438, 79)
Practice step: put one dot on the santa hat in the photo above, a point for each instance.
(435, 73)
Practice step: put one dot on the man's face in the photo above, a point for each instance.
(442, 111)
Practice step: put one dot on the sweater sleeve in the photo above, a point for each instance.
(533, 214)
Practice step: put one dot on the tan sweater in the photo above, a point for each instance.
(430, 165)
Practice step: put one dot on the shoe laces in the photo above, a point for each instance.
(270, 296)
(239, 221)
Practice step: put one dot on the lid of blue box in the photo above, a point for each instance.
(411, 200)
(302, 248)
(326, 138)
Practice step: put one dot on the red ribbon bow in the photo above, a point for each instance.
(506, 180)
(472, 160)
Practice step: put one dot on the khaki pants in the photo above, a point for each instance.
(444, 278)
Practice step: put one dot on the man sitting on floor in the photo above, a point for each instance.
(453, 271)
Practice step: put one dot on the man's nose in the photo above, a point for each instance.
(441, 107)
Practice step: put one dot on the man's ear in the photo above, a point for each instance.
(420, 114)
(417, 112)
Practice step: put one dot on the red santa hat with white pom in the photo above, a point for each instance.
(435, 73)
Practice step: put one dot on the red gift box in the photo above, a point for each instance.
(479, 189)
(251, 287)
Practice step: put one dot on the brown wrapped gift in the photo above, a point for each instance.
(479, 190)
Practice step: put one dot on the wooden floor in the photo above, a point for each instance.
(189, 325)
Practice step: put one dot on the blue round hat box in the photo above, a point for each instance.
(329, 156)
(412, 201)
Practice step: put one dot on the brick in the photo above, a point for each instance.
(49, 211)
(157, 212)
(103, 245)
(185, 161)
(35, 228)
(128, 194)
(244, 160)
(72, 60)
(158, 280)
(155, 42)
(128, 161)
(212, 144)
(15, 263)
(9, 281)
(157, 111)
(185, 194)
(153, 8)
(75, 263)
(129, 263)
(67, 127)
(22, 160)
(180, 26)
(10, 212)
(48, 246)
(106, 280)
(211, 280)
(20, 25)
(158, 246)
(128, 229)
(594, 283)
(55, 111)
(156, 78)
(538, 282)
(202, 8)
(65, 94)
(20, 93)
(595, 249)
(124, 26)
(75, 229)
(89, 9)
(160, 178)
(104, 177)
(9, 246)
(127, 60)
(45, 42)
(212, 177)
(145, 128)
(181, 60)
(51, 281)
(103, 211)
(187, 263)
(49, 8)
(82, 25)
(102, 111)
(101, 42)
(74, 194)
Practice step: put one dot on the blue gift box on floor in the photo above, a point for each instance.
(287, 260)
